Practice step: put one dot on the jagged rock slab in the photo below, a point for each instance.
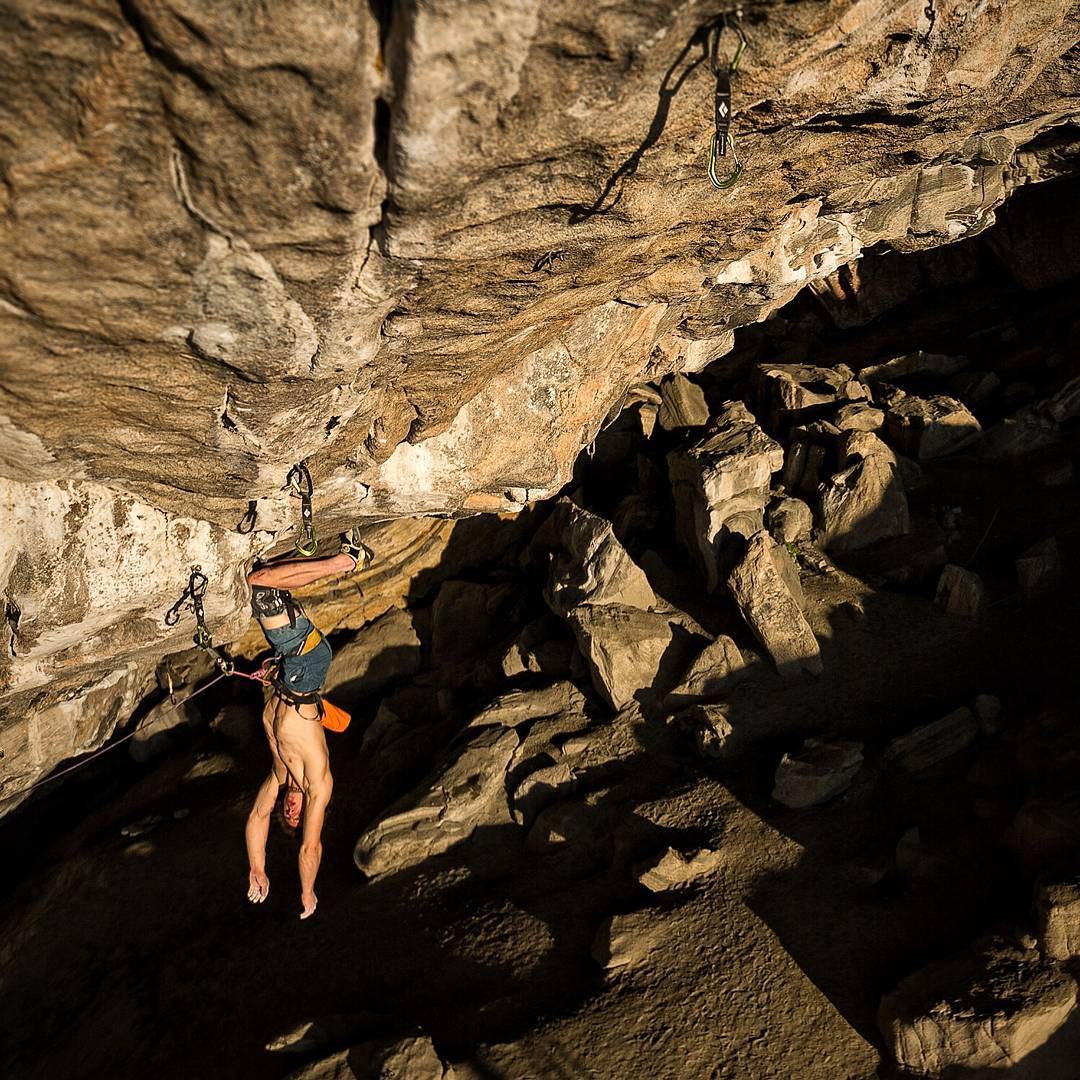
(918, 362)
(988, 1007)
(790, 520)
(400, 1059)
(674, 869)
(470, 617)
(761, 589)
(1057, 910)
(1039, 566)
(720, 485)
(859, 417)
(482, 779)
(795, 393)
(625, 649)
(928, 428)
(716, 669)
(925, 746)
(959, 591)
(589, 565)
(1027, 431)
(821, 769)
(863, 504)
(683, 404)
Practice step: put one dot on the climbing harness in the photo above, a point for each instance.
(722, 141)
(299, 479)
(247, 522)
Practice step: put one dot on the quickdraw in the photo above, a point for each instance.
(299, 479)
(192, 597)
(722, 141)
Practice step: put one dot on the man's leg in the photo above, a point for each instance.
(293, 573)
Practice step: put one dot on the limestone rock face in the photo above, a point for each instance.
(427, 248)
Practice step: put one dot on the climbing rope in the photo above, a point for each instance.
(723, 142)
(299, 479)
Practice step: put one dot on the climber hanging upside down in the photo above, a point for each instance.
(301, 765)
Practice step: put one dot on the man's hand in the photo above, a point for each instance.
(258, 886)
(308, 901)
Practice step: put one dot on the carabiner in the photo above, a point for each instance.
(714, 157)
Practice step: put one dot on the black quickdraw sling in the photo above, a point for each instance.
(722, 142)
(192, 597)
(299, 479)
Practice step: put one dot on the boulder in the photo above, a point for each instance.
(790, 520)
(761, 587)
(861, 505)
(817, 772)
(929, 428)
(931, 743)
(237, 724)
(711, 730)
(540, 648)
(683, 404)
(986, 1008)
(1027, 431)
(1046, 830)
(387, 1059)
(718, 667)
(468, 619)
(793, 393)
(975, 387)
(1065, 404)
(905, 560)
(588, 565)
(858, 417)
(381, 653)
(625, 649)
(1039, 566)
(720, 486)
(913, 363)
(1057, 913)
(959, 591)
(674, 870)
(524, 750)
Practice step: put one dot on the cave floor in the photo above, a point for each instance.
(138, 956)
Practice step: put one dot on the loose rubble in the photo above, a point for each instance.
(816, 773)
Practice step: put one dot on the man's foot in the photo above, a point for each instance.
(258, 887)
(292, 807)
(356, 549)
(308, 904)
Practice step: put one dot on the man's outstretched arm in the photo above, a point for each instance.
(255, 834)
(316, 800)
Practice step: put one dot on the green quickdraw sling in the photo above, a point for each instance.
(299, 479)
(723, 144)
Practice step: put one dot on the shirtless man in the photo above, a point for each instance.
(301, 763)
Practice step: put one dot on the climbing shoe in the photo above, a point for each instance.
(356, 549)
